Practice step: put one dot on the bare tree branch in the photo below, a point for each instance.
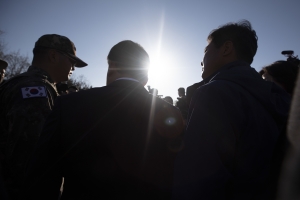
(17, 63)
(80, 82)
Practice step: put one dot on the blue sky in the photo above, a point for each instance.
(173, 32)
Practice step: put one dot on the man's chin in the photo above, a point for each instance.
(204, 75)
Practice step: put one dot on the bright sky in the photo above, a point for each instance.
(173, 32)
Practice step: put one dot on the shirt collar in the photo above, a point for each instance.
(126, 78)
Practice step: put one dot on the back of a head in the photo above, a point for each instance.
(241, 34)
(181, 91)
(3, 64)
(153, 91)
(169, 99)
(130, 57)
(283, 72)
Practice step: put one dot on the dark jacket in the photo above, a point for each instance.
(233, 126)
(26, 100)
(182, 106)
(191, 90)
(111, 142)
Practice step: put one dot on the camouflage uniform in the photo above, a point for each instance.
(25, 100)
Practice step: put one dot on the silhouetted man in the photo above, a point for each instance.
(234, 123)
(3, 66)
(181, 102)
(27, 99)
(168, 99)
(290, 175)
(110, 142)
(283, 73)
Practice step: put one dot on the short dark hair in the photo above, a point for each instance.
(181, 90)
(130, 57)
(241, 34)
(283, 72)
(168, 98)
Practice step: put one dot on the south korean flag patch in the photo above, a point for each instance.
(33, 92)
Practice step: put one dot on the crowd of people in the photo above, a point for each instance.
(225, 137)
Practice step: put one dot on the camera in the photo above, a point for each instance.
(290, 57)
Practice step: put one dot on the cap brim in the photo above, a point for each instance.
(79, 62)
(3, 64)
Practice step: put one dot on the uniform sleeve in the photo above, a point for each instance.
(24, 117)
(44, 172)
(203, 168)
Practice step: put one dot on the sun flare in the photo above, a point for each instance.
(160, 71)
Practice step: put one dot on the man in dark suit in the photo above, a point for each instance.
(111, 142)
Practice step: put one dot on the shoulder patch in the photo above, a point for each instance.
(33, 92)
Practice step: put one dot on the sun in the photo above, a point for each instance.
(160, 71)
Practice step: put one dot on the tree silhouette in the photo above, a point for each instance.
(17, 63)
(80, 82)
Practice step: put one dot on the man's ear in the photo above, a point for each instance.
(112, 72)
(112, 67)
(228, 48)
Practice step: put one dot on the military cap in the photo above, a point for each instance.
(62, 44)
(3, 64)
